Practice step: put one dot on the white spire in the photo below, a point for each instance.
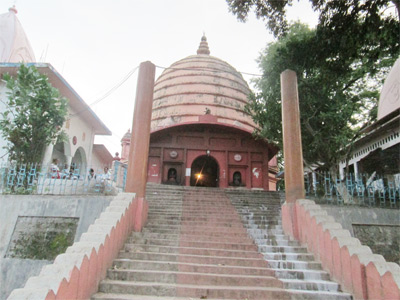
(14, 44)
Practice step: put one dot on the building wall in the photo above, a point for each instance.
(14, 271)
(75, 126)
(234, 151)
(377, 228)
(80, 135)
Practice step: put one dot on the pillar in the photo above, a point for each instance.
(48, 152)
(140, 140)
(292, 150)
(356, 170)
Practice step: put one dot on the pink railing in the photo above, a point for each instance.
(354, 266)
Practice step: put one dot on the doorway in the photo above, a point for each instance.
(204, 172)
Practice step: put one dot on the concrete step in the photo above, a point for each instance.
(294, 265)
(190, 267)
(199, 219)
(193, 278)
(184, 216)
(195, 243)
(188, 290)
(271, 256)
(210, 292)
(109, 296)
(199, 236)
(269, 233)
(176, 224)
(218, 232)
(301, 274)
(311, 285)
(190, 250)
(217, 223)
(199, 259)
(277, 242)
(282, 249)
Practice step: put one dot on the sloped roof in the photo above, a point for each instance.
(102, 152)
(75, 101)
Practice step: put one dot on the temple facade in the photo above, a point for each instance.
(201, 134)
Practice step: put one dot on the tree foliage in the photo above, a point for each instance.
(340, 67)
(34, 115)
(337, 15)
(335, 100)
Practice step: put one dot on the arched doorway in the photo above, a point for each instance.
(78, 163)
(204, 172)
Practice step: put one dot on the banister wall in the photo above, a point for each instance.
(77, 273)
(354, 266)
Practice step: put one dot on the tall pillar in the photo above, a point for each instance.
(140, 140)
(292, 150)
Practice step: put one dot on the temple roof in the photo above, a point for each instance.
(203, 47)
(201, 89)
(75, 102)
(389, 100)
(127, 136)
(14, 44)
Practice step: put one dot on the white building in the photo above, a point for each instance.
(378, 150)
(82, 123)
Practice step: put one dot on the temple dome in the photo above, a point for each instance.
(14, 44)
(201, 89)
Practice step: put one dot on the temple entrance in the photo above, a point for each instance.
(204, 172)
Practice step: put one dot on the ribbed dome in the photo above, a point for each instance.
(201, 89)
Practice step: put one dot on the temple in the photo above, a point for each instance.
(201, 134)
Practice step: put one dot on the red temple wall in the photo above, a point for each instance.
(233, 149)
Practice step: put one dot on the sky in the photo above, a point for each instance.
(94, 44)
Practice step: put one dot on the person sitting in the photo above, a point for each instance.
(65, 172)
(54, 170)
(91, 174)
(107, 175)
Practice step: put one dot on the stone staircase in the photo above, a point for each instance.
(197, 246)
(291, 263)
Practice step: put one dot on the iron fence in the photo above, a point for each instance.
(39, 179)
(363, 190)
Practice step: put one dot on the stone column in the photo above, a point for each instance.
(140, 140)
(69, 160)
(356, 170)
(47, 156)
(292, 151)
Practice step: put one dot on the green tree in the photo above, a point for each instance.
(338, 15)
(340, 67)
(335, 100)
(34, 115)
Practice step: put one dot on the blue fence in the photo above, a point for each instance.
(364, 190)
(38, 179)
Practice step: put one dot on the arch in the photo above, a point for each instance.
(237, 178)
(204, 172)
(172, 176)
(62, 151)
(79, 161)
